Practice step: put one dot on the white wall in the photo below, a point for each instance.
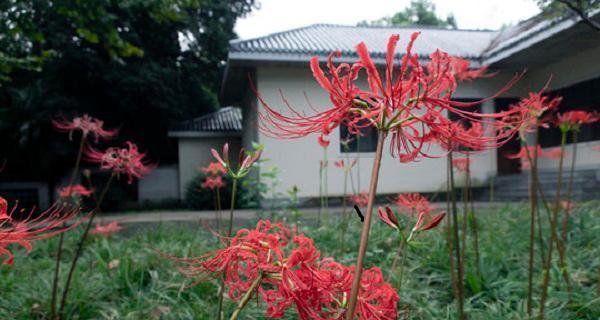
(195, 153)
(587, 157)
(299, 159)
(162, 183)
(574, 68)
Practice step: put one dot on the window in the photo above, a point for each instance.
(365, 142)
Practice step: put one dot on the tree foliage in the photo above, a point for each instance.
(570, 8)
(419, 13)
(139, 65)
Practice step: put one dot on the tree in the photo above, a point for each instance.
(570, 8)
(419, 13)
(121, 61)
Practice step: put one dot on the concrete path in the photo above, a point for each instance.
(244, 214)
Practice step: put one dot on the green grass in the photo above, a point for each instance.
(148, 286)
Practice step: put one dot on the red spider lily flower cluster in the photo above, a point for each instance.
(245, 161)
(388, 217)
(413, 103)
(529, 152)
(15, 229)
(292, 275)
(214, 169)
(572, 120)
(213, 182)
(342, 164)
(87, 125)
(107, 230)
(75, 191)
(360, 199)
(468, 134)
(214, 179)
(128, 160)
(568, 205)
(412, 203)
(534, 111)
(462, 164)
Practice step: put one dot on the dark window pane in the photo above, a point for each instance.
(365, 142)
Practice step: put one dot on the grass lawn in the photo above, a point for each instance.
(124, 278)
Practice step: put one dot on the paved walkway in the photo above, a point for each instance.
(246, 214)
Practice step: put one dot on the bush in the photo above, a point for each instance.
(200, 198)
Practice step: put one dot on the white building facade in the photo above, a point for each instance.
(566, 51)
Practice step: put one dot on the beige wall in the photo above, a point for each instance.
(195, 153)
(299, 159)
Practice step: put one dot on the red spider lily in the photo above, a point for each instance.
(568, 206)
(127, 161)
(24, 230)
(572, 120)
(529, 152)
(412, 202)
(467, 134)
(420, 226)
(245, 161)
(360, 199)
(533, 111)
(315, 287)
(87, 125)
(107, 230)
(213, 182)
(388, 217)
(342, 165)
(462, 164)
(214, 169)
(323, 164)
(431, 224)
(75, 191)
(413, 104)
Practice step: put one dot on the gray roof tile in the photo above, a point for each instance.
(322, 39)
(228, 119)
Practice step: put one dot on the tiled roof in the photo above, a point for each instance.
(322, 39)
(228, 119)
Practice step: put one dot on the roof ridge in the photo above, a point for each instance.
(334, 25)
(401, 27)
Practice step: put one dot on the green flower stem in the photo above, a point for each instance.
(553, 236)
(80, 245)
(62, 235)
(246, 298)
(459, 263)
(229, 233)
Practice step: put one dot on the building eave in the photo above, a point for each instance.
(204, 134)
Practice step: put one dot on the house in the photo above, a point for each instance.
(197, 136)
(565, 50)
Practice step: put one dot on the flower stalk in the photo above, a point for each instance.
(81, 243)
(456, 244)
(364, 235)
(246, 298)
(61, 237)
(553, 227)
